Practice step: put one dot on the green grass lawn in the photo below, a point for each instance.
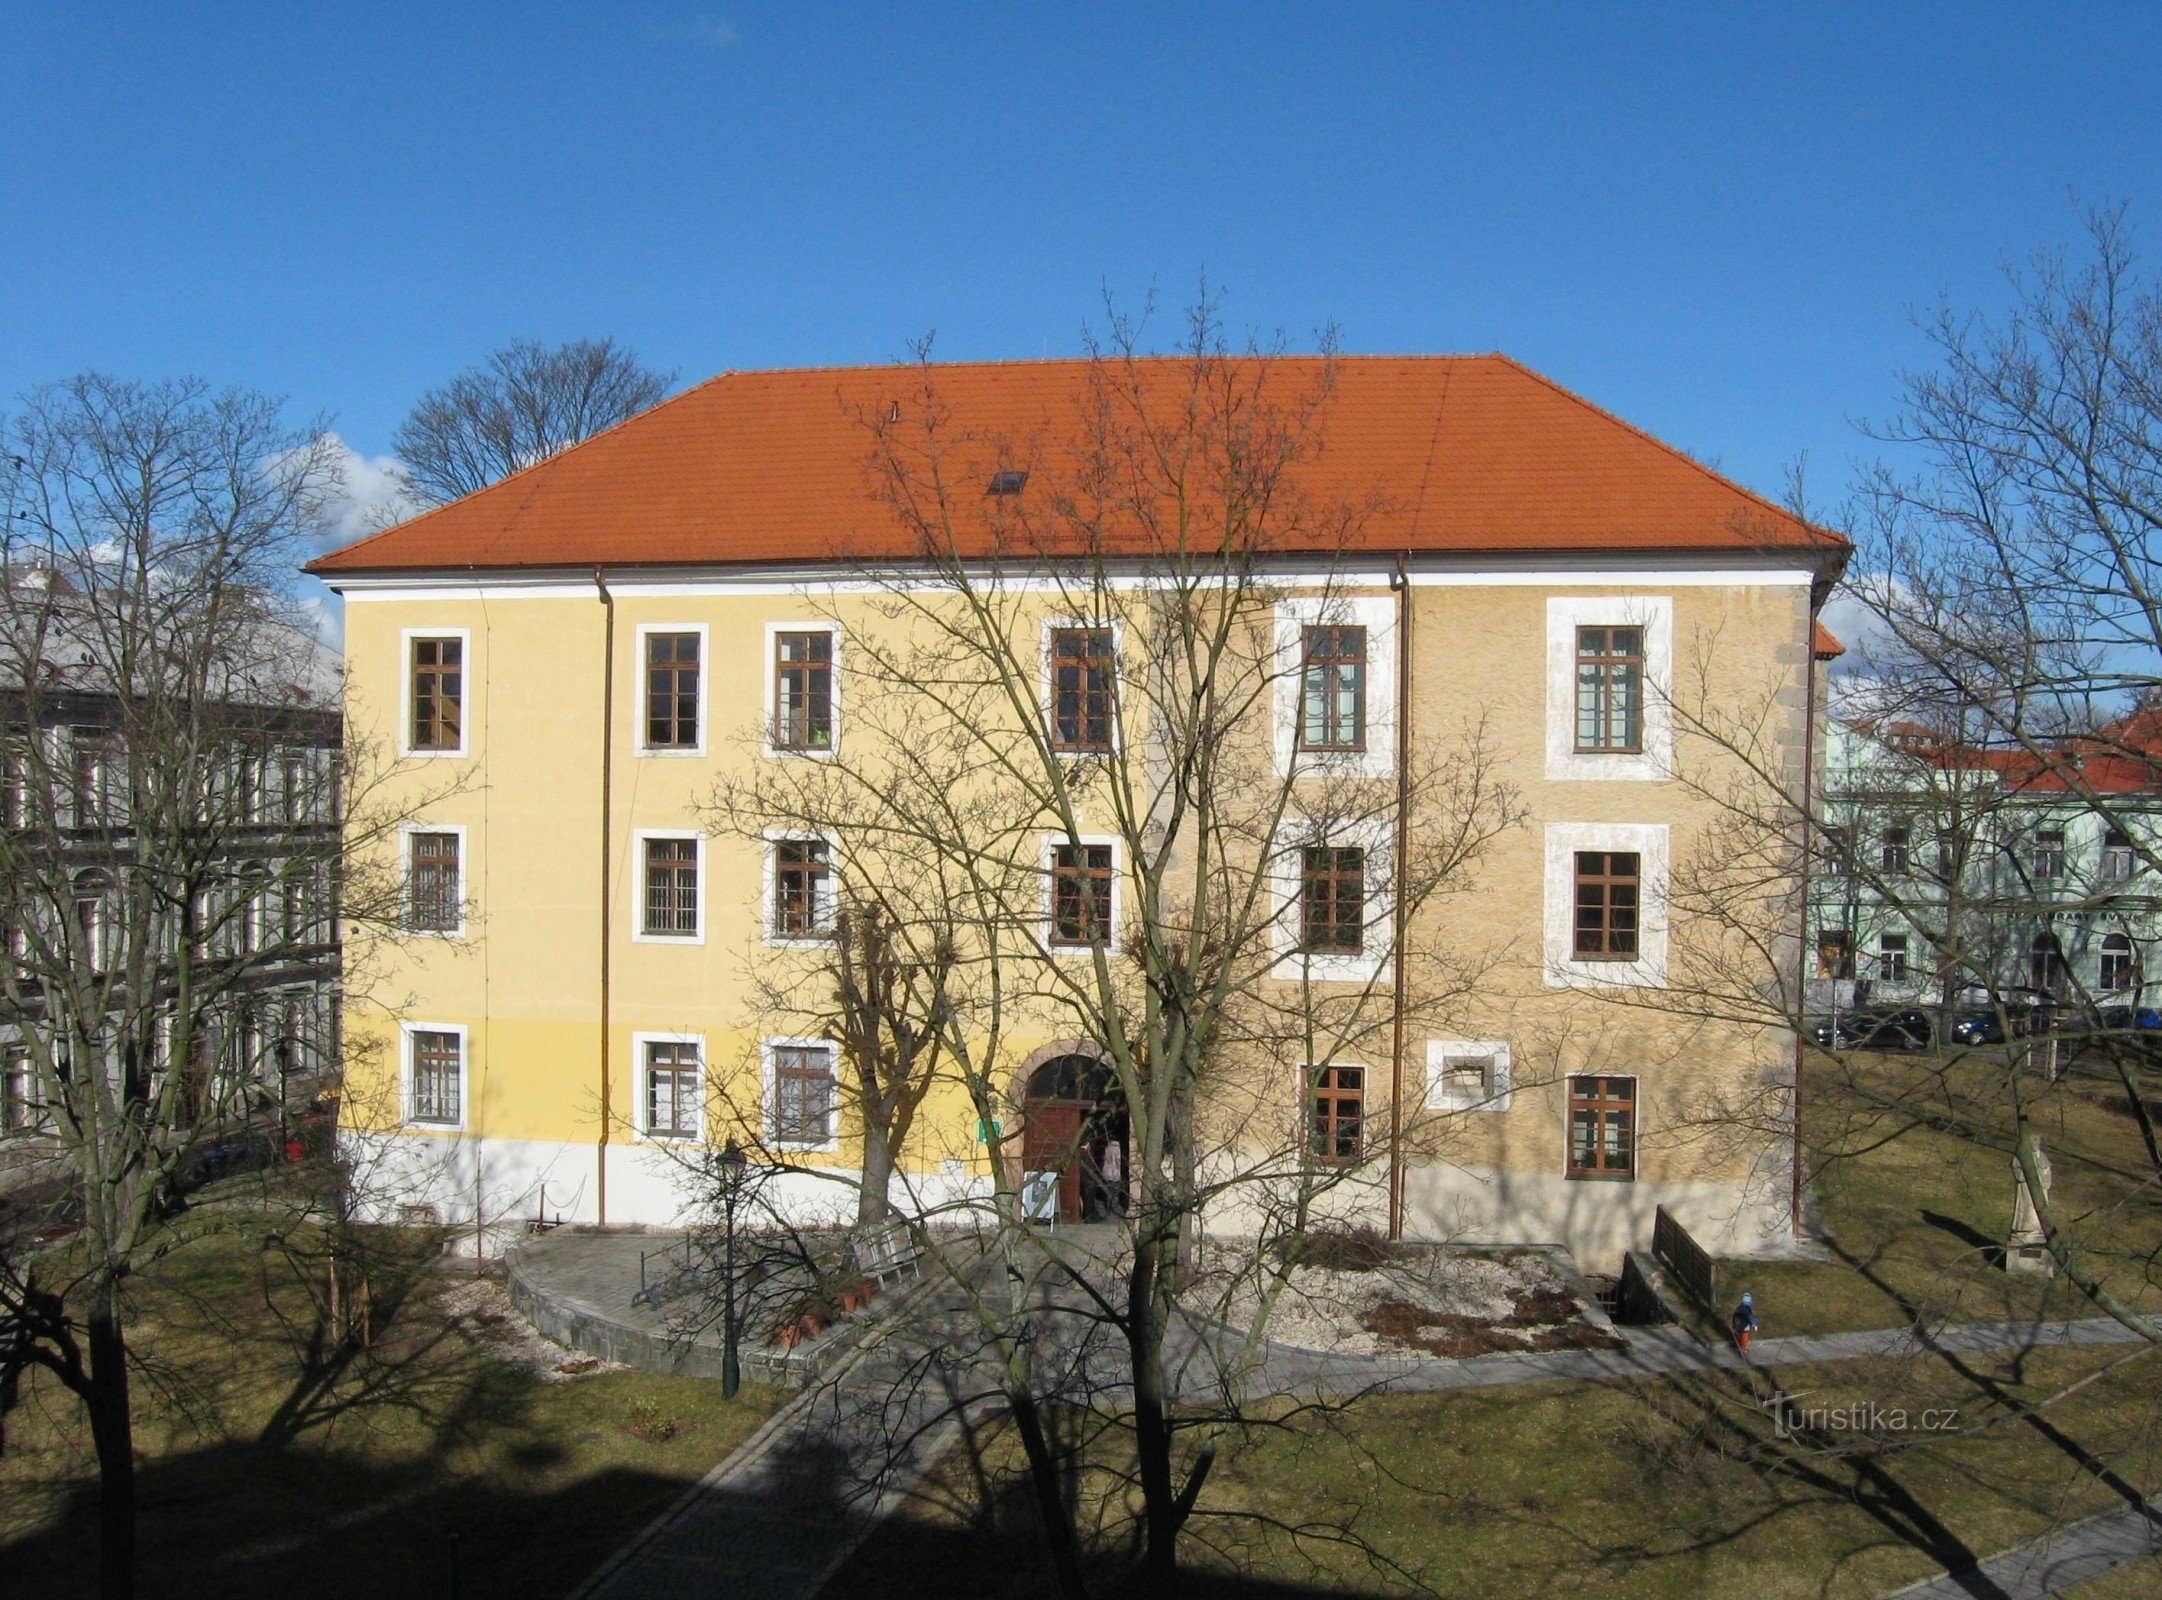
(1675, 1488)
(1914, 1209)
(1658, 1490)
(261, 1470)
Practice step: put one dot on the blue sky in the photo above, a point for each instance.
(1712, 220)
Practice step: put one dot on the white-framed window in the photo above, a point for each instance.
(1467, 1075)
(1606, 904)
(671, 1085)
(802, 1093)
(432, 1079)
(435, 879)
(1082, 895)
(1334, 889)
(1892, 957)
(674, 660)
(1609, 687)
(798, 889)
(668, 894)
(1080, 684)
(1336, 715)
(436, 668)
(2118, 967)
(802, 675)
(19, 1108)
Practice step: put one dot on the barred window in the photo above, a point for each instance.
(671, 887)
(672, 1089)
(1081, 895)
(803, 1094)
(1332, 689)
(1608, 883)
(1084, 679)
(671, 691)
(433, 894)
(801, 877)
(1602, 1127)
(1610, 690)
(438, 693)
(1332, 900)
(1336, 1112)
(438, 1077)
(803, 690)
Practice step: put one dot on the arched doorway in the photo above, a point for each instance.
(1072, 1109)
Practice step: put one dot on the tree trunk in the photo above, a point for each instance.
(112, 1433)
(1145, 1312)
(872, 1203)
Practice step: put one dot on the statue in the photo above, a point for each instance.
(2025, 1251)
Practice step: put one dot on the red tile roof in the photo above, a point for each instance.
(1456, 454)
(1826, 646)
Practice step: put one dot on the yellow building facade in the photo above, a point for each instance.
(571, 1012)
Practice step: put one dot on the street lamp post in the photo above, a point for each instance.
(733, 1168)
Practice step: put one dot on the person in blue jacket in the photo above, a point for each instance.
(1745, 1321)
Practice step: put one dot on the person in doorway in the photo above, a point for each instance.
(1745, 1321)
(1114, 1171)
(1093, 1200)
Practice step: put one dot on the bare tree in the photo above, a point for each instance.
(522, 405)
(1195, 921)
(1995, 797)
(169, 866)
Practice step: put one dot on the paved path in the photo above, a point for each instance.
(2056, 1561)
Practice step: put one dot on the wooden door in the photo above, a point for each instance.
(1049, 1142)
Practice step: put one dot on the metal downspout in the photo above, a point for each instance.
(608, 744)
(1401, 583)
(1801, 941)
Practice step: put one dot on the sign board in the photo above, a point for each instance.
(1039, 1197)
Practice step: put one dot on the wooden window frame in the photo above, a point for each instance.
(816, 681)
(1895, 849)
(1072, 871)
(1332, 900)
(425, 1057)
(1601, 662)
(672, 689)
(1596, 1095)
(435, 692)
(676, 1060)
(799, 909)
(1082, 665)
(1334, 1113)
(449, 914)
(1609, 938)
(1326, 662)
(676, 864)
(786, 1064)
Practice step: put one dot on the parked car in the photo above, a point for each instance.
(1876, 1029)
(1978, 1027)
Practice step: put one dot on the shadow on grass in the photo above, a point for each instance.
(225, 1521)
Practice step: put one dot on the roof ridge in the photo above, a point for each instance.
(1673, 450)
(1085, 361)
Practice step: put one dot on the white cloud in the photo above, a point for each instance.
(370, 497)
